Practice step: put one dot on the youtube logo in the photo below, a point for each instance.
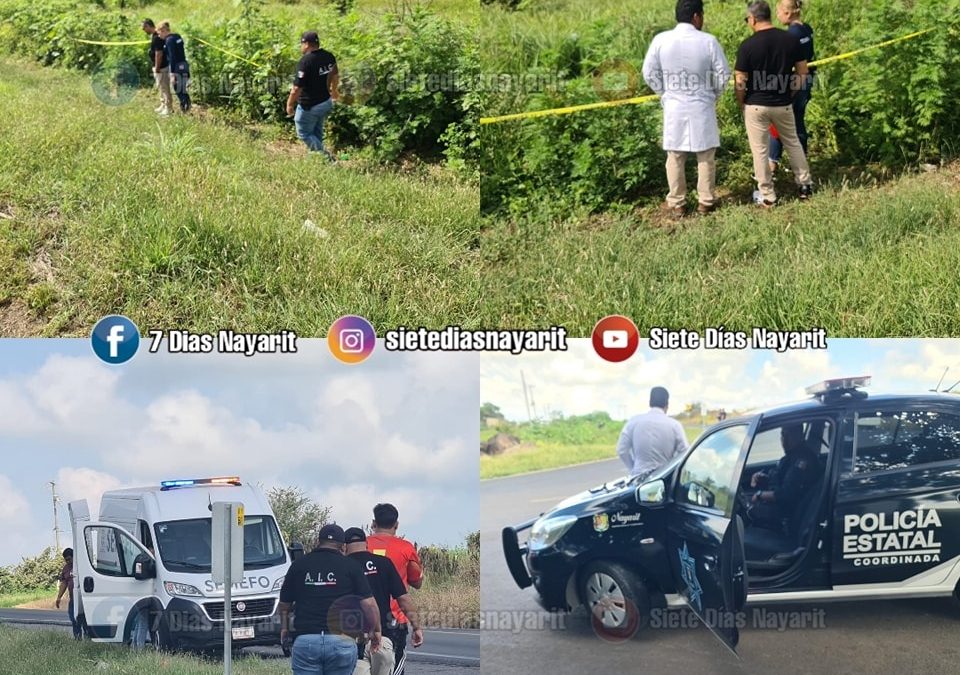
(615, 338)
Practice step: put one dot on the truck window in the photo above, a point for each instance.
(708, 478)
(184, 545)
(886, 441)
(111, 552)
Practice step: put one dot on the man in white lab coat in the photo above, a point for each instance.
(689, 71)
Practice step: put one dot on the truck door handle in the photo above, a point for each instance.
(88, 584)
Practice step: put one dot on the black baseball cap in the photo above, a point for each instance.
(311, 37)
(354, 535)
(331, 533)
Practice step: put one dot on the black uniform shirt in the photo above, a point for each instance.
(176, 53)
(768, 58)
(312, 73)
(384, 580)
(796, 473)
(326, 588)
(156, 45)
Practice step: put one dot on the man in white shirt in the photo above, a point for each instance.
(689, 71)
(649, 441)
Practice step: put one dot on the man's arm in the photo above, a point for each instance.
(333, 82)
(740, 88)
(60, 592)
(680, 442)
(625, 447)
(292, 100)
(802, 70)
(371, 617)
(652, 69)
(415, 570)
(410, 610)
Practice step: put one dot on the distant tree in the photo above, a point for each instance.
(490, 411)
(298, 517)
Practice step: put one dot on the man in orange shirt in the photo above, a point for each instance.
(383, 540)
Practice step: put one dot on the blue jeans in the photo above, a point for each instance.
(324, 655)
(800, 102)
(73, 619)
(310, 125)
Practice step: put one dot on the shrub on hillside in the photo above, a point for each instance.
(40, 571)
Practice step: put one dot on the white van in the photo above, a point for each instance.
(143, 570)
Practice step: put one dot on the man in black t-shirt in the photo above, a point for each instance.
(385, 583)
(769, 71)
(332, 603)
(314, 92)
(159, 66)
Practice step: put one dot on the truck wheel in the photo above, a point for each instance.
(617, 600)
(160, 634)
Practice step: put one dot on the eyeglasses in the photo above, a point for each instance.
(746, 19)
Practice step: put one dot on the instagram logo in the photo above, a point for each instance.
(351, 339)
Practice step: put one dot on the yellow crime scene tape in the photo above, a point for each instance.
(652, 97)
(146, 42)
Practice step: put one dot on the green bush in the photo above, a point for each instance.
(39, 572)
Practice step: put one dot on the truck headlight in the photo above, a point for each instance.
(547, 531)
(277, 584)
(175, 588)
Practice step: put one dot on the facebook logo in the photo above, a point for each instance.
(115, 339)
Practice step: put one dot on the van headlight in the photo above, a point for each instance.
(547, 531)
(176, 588)
(277, 584)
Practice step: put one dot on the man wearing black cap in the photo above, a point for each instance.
(649, 441)
(314, 92)
(385, 582)
(329, 593)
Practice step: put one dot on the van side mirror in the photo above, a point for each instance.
(296, 550)
(144, 567)
(653, 492)
(700, 495)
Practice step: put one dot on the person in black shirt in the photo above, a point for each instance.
(314, 92)
(174, 48)
(159, 66)
(769, 71)
(795, 474)
(788, 12)
(385, 582)
(332, 603)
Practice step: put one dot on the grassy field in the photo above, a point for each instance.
(35, 652)
(546, 449)
(46, 596)
(195, 224)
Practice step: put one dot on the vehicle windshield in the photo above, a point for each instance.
(184, 545)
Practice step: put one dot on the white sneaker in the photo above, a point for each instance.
(160, 109)
(164, 112)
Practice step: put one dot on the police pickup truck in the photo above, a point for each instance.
(878, 516)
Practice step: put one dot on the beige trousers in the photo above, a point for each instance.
(377, 663)
(163, 84)
(706, 177)
(758, 119)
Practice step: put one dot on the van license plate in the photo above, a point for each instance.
(245, 633)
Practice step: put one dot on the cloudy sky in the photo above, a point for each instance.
(580, 382)
(398, 428)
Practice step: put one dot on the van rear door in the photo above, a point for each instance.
(104, 555)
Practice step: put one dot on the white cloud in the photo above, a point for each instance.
(14, 509)
(75, 483)
(353, 504)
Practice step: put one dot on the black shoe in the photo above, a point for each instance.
(806, 192)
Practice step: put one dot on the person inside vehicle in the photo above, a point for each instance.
(781, 489)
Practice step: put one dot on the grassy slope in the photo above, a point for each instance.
(877, 261)
(36, 652)
(542, 455)
(99, 226)
(44, 595)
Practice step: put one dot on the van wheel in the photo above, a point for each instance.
(616, 598)
(160, 635)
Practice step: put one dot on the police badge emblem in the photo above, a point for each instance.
(601, 522)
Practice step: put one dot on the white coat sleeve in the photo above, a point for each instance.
(625, 446)
(652, 69)
(721, 69)
(681, 445)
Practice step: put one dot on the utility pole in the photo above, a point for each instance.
(526, 397)
(533, 403)
(56, 519)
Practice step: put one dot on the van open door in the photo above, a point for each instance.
(705, 535)
(114, 574)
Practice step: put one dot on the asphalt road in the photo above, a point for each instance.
(914, 636)
(459, 648)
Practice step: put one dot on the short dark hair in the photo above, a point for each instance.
(760, 10)
(659, 397)
(67, 553)
(385, 515)
(149, 22)
(687, 9)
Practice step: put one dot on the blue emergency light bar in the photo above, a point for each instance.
(223, 480)
(838, 385)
